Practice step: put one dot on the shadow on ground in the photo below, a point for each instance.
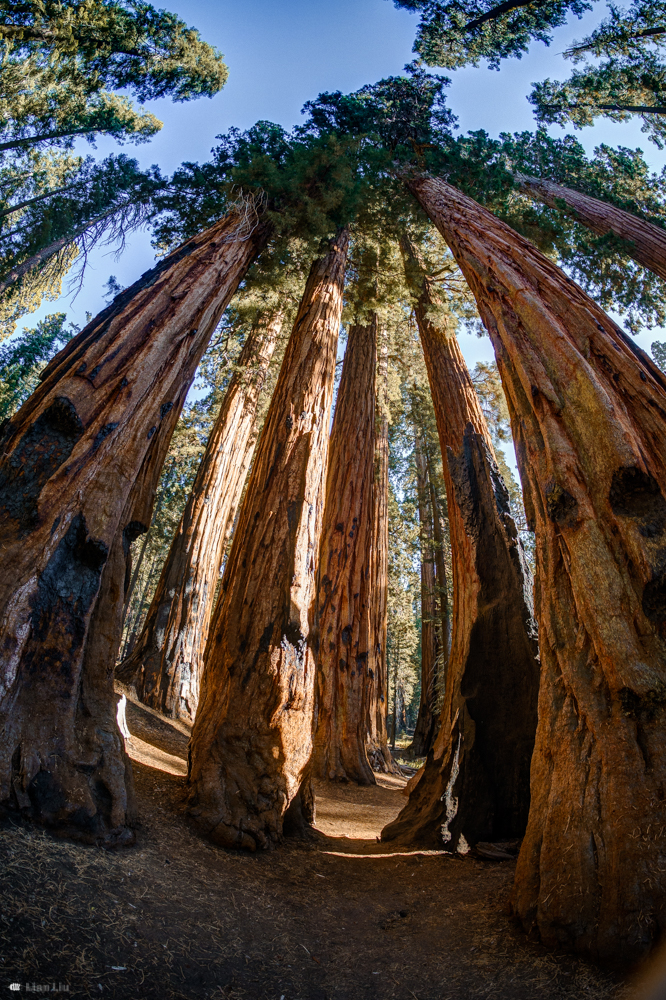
(339, 919)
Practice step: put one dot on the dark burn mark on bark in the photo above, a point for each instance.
(346, 635)
(60, 608)
(131, 532)
(164, 409)
(643, 707)
(654, 599)
(44, 447)
(561, 506)
(465, 481)
(151, 432)
(102, 434)
(636, 494)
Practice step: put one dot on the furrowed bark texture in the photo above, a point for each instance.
(426, 722)
(166, 663)
(345, 665)
(475, 782)
(646, 243)
(588, 412)
(79, 467)
(379, 753)
(440, 574)
(252, 738)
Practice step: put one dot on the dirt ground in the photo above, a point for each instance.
(338, 919)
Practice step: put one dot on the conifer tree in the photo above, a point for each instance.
(101, 202)
(22, 361)
(63, 63)
(251, 744)
(345, 662)
(433, 657)
(587, 417)
(378, 749)
(475, 783)
(628, 81)
(453, 34)
(166, 662)
(81, 460)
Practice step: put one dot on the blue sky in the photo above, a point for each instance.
(282, 53)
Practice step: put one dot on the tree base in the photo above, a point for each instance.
(77, 801)
(239, 799)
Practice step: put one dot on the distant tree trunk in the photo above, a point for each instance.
(426, 722)
(252, 738)
(166, 662)
(80, 462)
(645, 242)
(588, 412)
(441, 576)
(475, 783)
(134, 578)
(343, 615)
(378, 748)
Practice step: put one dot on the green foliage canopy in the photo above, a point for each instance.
(462, 32)
(62, 62)
(22, 360)
(630, 79)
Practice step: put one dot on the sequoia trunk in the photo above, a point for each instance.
(441, 576)
(166, 662)
(80, 462)
(588, 412)
(426, 723)
(344, 660)
(644, 242)
(379, 753)
(252, 738)
(475, 782)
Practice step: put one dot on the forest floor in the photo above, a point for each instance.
(341, 918)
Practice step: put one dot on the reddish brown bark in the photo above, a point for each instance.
(345, 671)
(645, 242)
(166, 663)
(80, 463)
(379, 753)
(252, 738)
(426, 722)
(442, 592)
(588, 413)
(475, 782)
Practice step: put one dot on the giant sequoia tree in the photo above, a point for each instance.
(378, 748)
(346, 669)
(252, 738)
(165, 664)
(587, 413)
(475, 783)
(80, 465)
(433, 657)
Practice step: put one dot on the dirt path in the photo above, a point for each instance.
(339, 919)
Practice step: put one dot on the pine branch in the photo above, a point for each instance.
(587, 46)
(502, 8)
(34, 139)
(32, 201)
(641, 109)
